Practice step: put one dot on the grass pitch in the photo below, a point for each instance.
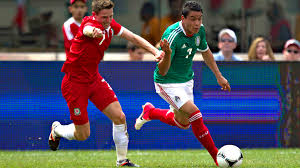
(253, 158)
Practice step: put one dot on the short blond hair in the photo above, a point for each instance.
(98, 5)
(252, 50)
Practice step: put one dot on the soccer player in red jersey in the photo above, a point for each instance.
(82, 81)
(70, 28)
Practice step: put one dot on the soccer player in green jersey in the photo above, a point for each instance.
(173, 76)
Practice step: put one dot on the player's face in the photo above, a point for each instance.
(105, 17)
(226, 43)
(192, 22)
(78, 9)
(261, 50)
(291, 53)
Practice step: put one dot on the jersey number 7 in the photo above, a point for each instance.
(189, 51)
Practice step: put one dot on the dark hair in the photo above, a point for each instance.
(191, 6)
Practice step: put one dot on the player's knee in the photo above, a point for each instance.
(182, 122)
(120, 119)
(185, 127)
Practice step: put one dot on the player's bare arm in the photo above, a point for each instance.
(165, 63)
(211, 63)
(137, 40)
(93, 32)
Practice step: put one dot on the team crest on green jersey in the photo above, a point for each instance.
(197, 40)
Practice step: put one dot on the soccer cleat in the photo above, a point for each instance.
(53, 138)
(141, 120)
(126, 162)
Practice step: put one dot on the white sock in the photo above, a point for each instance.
(121, 140)
(65, 131)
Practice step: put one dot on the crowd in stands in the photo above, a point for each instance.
(262, 48)
(279, 40)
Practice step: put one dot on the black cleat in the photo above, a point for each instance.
(126, 162)
(53, 138)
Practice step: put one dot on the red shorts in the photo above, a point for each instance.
(77, 95)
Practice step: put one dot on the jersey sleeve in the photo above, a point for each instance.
(203, 44)
(67, 42)
(67, 31)
(88, 24)
(117, 28)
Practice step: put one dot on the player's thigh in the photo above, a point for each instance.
(188, 108)
(77, 99)
(102, 94)
(189, 89)
(175, 94)
(181, 117)
(106, 101)
(114, 112)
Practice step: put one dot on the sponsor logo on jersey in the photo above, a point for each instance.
(197, 41)
(183, 46)
(77, 111)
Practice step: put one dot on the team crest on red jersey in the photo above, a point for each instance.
(77, 111)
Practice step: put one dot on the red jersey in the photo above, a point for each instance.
(70, 29)
(86, 52)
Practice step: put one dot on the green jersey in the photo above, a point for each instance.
(183, 50)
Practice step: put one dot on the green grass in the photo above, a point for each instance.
(253, 158)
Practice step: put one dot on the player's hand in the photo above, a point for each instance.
(165, 46)
(159, 55)
(97, 33)
(224, 84)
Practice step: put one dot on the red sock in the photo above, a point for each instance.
(202, 134)
(165, 116)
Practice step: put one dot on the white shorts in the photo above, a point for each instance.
(176, 94)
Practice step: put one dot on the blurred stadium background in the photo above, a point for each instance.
(262, 111)
(247, 18)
